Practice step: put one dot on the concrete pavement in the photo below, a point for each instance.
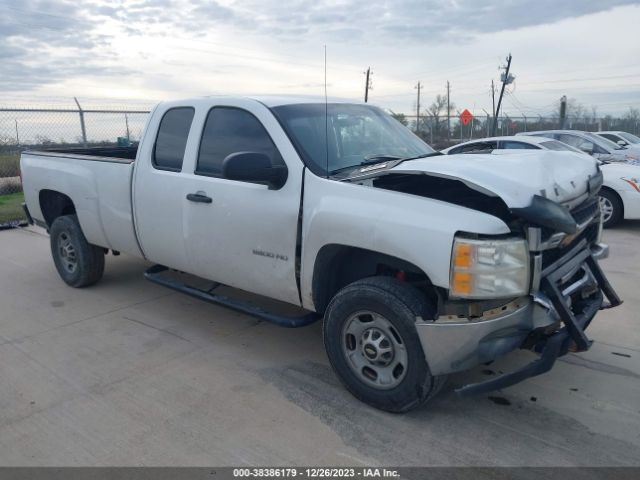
(129, 373)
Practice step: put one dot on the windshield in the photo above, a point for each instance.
(357, 134)
(629, 137)
(559, 146)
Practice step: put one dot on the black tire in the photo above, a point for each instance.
(612, 199)
(70, 248)
(399, 303)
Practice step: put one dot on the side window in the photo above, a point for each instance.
(477, 147)
(580, 143)
(599, 149)
(230, 130)
(613, 138)
(511, 145)
(572, 140)
(168, 151)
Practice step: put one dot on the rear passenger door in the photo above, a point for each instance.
(159, 186)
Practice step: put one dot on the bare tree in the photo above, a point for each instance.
(401, 117)
(437, 110)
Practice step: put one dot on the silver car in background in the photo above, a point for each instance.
(590, 143)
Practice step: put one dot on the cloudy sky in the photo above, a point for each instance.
(132, 52)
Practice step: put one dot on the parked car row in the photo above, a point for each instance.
(620, 193)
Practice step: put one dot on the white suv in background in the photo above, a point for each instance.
(620, 193)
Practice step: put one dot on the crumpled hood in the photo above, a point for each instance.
(513, 176)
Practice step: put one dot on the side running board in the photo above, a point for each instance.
(154, 274)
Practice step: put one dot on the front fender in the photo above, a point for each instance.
(415, 229)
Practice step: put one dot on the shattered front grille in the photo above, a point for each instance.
(586, 210)
(590, 234)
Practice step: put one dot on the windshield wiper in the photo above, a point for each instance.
(369, 159)
(424, 155)
(394, 159)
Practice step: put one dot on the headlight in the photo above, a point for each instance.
(489, 268)
(633, 182)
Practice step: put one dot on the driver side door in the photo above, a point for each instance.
(245, 235)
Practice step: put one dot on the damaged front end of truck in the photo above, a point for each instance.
(555, 223)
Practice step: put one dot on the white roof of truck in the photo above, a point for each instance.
(278, 100)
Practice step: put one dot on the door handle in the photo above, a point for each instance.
(198, 197)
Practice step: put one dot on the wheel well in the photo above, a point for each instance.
(337, 266)
(55, 204)
(617, 195)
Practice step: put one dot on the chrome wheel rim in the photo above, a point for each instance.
(67, 252)
(607, 209)
(374, 350)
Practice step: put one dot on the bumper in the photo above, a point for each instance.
(549, 322)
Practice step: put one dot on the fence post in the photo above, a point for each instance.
(82, 126)
(126, 121)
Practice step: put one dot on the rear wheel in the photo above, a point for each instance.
(372, 344)
(611, 206)
(79, 263)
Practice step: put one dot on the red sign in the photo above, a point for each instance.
(466, 117)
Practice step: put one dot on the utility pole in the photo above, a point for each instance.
(418, 87)
(493, 99)
(17, 133)
(563, 111)
(506, 79)
(448, 114)
(367, 85)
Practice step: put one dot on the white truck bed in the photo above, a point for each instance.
(104, 185)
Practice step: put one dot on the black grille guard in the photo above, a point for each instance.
(571, 336)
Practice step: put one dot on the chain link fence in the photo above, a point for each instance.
(28, 129)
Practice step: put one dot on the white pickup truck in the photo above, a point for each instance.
(421, 264)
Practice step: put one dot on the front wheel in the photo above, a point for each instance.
(611, 207)
(79, 263)
(371, 341)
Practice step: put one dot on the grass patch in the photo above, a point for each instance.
(9, 165)
(11, 207)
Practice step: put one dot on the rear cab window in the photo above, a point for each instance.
(171, 141)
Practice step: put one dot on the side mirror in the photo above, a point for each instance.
(254, 167)
(622, 143)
